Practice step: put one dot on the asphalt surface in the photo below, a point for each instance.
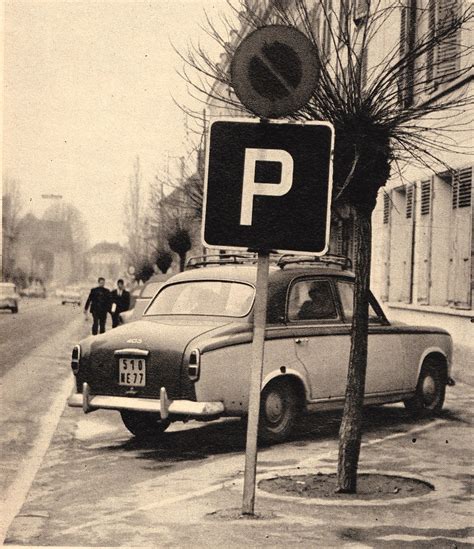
(98, 486)
(36, 321)
(35, 348)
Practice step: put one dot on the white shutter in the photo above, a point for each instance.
(407, 243)
(386, 230)
(460, 261)
(424, 242)
(447, 63)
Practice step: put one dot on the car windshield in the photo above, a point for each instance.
(204, 297)
(7, 289)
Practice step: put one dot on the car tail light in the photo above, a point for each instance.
(194, 366)
(76, 358)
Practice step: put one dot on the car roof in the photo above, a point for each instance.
(248, 273)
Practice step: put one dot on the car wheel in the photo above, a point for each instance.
(144, 424)
(278, 411)
(430, 392)
(14, 310)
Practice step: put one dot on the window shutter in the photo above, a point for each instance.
(403, 50)
(407, 243)
(431, 51)
(460, 261)
(424, 243)
(409, 202)
(448, 48)
(386, 208)
(386, 232)
(327, 16)
(464, 188)
(425, 206)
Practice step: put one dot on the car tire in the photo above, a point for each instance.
(430, 391)
(144, 425)
(278, 411)
(14, 310)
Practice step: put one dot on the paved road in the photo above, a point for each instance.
(36, 321)
(99, 486)
(35, 348)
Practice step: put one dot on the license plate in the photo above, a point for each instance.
(132, 372)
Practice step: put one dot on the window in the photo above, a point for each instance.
(442, 63)
(346, 293)
(204, 297)
(312, 300)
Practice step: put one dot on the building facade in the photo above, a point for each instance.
(106, 259)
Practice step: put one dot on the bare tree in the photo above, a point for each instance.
(11, 218)
(379, 125)
(134, 217)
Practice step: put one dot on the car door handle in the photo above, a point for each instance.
(301, 340)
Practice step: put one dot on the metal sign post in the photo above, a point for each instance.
(258, 343)
(268, 186)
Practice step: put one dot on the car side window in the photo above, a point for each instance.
(346, 293)
(311, 300)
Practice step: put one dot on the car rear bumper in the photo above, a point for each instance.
(164, 406)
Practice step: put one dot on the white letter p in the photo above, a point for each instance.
(251, 187)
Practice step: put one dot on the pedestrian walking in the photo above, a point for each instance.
(99, 302)
(120, 302)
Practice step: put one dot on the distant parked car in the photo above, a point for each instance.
(34, 291)
(140, 300)
(189, 355)
(9, 297)
(71, 294)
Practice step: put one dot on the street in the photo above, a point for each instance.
(36, 321)
(92, 483)
(35, 346)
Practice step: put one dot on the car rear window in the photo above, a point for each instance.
(150, 289)
(204, 297)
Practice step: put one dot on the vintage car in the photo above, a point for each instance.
(71, 294)
(189, 356)
(140, 299)
(9, 297)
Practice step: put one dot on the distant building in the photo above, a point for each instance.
(107, 259)
(44, 250)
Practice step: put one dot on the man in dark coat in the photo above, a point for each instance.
(120, 300)
(99, 301)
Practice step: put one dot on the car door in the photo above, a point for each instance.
(386, 361)
(320, 335)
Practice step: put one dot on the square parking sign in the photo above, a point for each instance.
(268, 186)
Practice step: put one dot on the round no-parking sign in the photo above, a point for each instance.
(274, 71)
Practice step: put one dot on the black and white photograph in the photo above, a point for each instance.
(237, 273)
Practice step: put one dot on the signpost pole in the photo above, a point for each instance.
(259, 321)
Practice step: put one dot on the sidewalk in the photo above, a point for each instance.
(199, 506)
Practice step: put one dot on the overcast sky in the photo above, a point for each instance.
(87, 88)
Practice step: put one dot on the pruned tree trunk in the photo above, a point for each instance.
(182, 262)
(350, 433)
